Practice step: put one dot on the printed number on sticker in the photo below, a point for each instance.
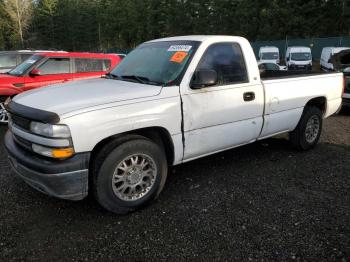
(175, 48)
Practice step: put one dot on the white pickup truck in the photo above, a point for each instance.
(169, 101)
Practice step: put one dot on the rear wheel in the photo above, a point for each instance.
(130, 176)
(308, 132)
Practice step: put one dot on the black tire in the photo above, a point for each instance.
(108, 160)
(298, 137)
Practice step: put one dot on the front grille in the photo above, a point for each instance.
(22, 142)
(20, 122)
(23, 124)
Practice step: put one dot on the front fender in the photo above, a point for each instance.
(89, 128)
(9, 91)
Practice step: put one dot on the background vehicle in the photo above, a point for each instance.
(269, 54)
(298, 58)
(47, 68)
(341, 63)
(326, 55)
(346, 95)
(264, 66)
(10, 59)
(117, 135)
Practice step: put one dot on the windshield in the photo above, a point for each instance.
(22, 68)
(8, 60)
(301, 56)
(269, 56)
(156, 63)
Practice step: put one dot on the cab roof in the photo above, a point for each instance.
(199, 38)
(76, 54)
(269, 48)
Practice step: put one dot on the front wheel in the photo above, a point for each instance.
(308, 132)
(131, 176)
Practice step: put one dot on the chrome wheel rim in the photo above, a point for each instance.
(312, 129)
(3, 114)
(134, 177)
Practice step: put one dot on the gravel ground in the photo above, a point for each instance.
(261, 202)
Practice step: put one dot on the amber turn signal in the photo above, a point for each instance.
(62, 152)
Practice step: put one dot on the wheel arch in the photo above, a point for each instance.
(319, 102)
(158, 135)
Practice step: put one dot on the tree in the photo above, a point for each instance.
(90, 25)
(20, 14)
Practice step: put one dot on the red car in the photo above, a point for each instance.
(49, 68)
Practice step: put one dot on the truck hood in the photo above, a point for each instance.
(66, 98)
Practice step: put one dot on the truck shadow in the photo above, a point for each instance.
(271, 163)
(345, 111)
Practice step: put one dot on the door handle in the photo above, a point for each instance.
(249, 96)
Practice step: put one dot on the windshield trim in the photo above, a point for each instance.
(29, 68)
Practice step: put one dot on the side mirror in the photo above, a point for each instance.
(35, 72)
(203, 78)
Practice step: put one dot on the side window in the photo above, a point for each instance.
(84, 65)
(106, 65)
(24, 57)
(7, 60)
(272, 67)
(55, 66)
(228, 61)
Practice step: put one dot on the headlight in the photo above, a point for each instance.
(59, 153)
(56, 131)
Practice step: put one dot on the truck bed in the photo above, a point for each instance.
(271, 75)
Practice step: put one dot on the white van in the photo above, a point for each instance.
(298, 58)
(269, 54)
(326, 55)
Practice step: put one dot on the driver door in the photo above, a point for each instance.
(227, 114)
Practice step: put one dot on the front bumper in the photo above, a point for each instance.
(300, 67)
(66, 179)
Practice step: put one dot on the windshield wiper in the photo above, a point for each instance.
(141, 79)
(112, 76)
